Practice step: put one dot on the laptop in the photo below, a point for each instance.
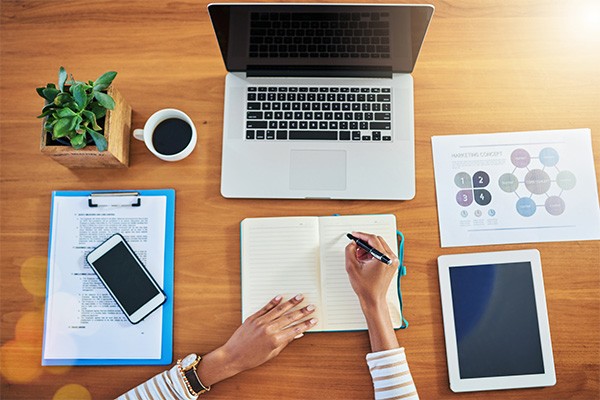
(319, 99)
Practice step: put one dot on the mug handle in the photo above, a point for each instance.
(138, 134)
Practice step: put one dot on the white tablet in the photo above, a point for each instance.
(495, 321)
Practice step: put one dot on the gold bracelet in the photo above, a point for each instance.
(185, 380)
(191, 362)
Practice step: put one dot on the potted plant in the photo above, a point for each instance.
(85, 124)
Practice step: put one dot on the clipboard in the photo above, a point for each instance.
(104, 201)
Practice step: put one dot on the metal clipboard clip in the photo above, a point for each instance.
(114, 199)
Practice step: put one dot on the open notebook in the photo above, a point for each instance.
(291, 255)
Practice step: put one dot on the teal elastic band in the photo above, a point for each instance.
(401, 273)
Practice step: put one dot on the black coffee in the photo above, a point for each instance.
(171, 136)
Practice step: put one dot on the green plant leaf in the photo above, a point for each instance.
(48, 106)
(78, 141)
(44, 113)
(98, 110)
(79, 96)
(65, 112)
(62, 77)
(40, 91)
(62, 127)
(78, 129)
(48, 127)
(86, 115)
(76, 121)
(105, 100)
(50, 93)
(91, 117)
(104, 81)
(99, 139)
(63, 99)
(84, 85)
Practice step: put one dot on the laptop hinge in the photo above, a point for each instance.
(319, 72)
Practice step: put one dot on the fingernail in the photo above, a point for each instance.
(313, 321)
(299, 297)
(299, 336)
(278, 298)
(310, 307)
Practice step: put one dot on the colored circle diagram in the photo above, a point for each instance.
(472, 188)
(537, 181)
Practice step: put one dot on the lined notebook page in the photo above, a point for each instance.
(280, 256)
(340, 304)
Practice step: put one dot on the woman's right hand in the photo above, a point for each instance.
(370, 278)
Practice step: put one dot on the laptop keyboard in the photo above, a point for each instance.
(318, 113)
(320, 35)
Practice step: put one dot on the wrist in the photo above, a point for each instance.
(373, 304)
(379, 324)
(217, 366)
(375, 310)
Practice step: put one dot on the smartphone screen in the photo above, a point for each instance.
(126, 278)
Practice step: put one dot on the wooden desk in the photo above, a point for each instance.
(485, 67)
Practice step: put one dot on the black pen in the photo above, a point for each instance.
(372, 251)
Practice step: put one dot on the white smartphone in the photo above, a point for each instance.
(126, 278)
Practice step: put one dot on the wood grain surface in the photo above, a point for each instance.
(486, 66)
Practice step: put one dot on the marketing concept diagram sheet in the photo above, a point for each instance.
(517, 187)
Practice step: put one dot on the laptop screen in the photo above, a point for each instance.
(320, 38)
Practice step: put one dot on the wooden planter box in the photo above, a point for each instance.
(116, 129)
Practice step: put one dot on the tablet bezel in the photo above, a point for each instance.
(457, 384)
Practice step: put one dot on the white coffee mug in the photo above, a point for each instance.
(155, 119)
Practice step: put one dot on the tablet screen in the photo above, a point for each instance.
(496, 321)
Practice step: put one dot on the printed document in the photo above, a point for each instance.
(82, 319)
(518, 187)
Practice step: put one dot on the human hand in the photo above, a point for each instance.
(268, 331)
(369, 277)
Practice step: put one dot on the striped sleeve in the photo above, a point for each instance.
(166, 385)
(391, 376)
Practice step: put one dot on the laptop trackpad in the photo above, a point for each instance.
(318, 170)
